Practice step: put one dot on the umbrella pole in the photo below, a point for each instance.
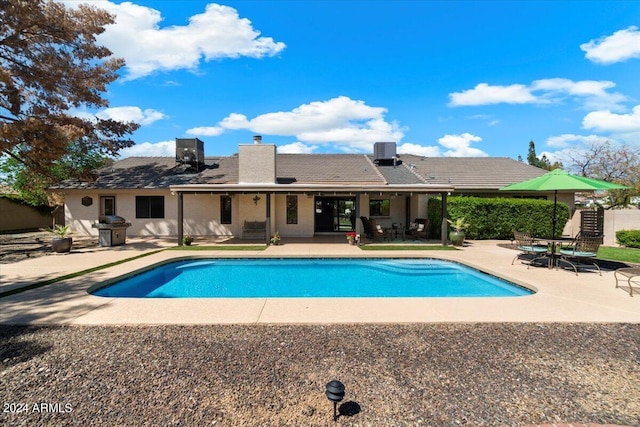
(555, 205)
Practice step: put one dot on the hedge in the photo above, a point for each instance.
(496, 218)
(628, 238)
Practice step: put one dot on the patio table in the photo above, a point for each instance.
(553, 243)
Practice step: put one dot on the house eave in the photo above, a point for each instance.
(311, 188)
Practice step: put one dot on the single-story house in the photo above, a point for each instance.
(296, 195)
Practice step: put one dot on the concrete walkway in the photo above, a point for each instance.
(561, 295)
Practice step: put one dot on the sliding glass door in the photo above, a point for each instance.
(334, 214)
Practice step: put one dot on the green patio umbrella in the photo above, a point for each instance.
(559, 180)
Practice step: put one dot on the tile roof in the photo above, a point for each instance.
(327, 168)
(466, 173)
(132, 172)
(469, 173)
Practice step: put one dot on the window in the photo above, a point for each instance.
(225, 209)
(379, 207)
(107, 205)
(292, 209)
(149, 206)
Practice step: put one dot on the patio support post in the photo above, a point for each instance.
(180, 219)
(358, 229)
(443, 226)
(268, 219)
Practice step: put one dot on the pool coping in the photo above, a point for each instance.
(560, 296)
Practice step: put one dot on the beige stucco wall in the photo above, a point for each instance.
(201, 213)
(614, 220)
(396, 210)
(304, 227)
(619, 219)
(15, 216)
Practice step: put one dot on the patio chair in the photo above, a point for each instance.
(419, 228)
(377, 232)
(583, 252)
(528, 247)
(366, 226)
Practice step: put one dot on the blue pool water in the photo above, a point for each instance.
(249, 278)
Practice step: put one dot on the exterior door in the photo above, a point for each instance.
(334, 214)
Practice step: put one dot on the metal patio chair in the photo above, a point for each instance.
(528, 247)
(582, 253)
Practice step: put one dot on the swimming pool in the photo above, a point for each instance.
(326, 277)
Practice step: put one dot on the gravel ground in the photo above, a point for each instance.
(19, 246)
(266, 375)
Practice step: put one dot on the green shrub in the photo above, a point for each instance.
(628, 238)
(496, 218)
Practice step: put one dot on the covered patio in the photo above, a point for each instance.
(403, 204)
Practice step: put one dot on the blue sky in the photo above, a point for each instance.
(440, 78)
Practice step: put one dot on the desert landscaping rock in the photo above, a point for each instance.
(267, 375)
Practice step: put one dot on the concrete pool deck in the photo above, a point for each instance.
(560, 296)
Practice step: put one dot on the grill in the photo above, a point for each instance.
(112, 230)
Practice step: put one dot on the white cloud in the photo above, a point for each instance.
(217, 33)
(350, 124)
(606, 121)
(593, 94)
(460, 145)
(620, 46)
(483, 94)
(569, 139)
(131, 114)
(419, 150)
(148, 149)
(235, 121)
(205, 131)
(297, 148)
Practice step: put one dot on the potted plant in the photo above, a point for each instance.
(62, 242)
(351, 237)
(187, 240)
(457, 234)
(275, 239)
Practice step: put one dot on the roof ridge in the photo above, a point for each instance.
(414, 172)
(375, 168)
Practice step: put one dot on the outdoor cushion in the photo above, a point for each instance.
(539, 249)
(578, 253)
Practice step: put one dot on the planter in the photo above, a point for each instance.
(456, 237)
(61, 244)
